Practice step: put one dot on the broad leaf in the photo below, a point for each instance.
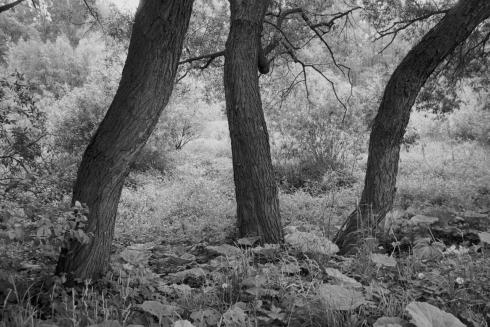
(383, 260)
(336, 297)
(342, 279)
(389, 322)
(426, 315)
(158, 309)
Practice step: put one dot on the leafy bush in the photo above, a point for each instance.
(22, 128)
(471, 123)
(312, 144)
(56, 67)
(151, 158)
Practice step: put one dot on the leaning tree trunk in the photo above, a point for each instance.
(394, 113)
(144, 90)
(255, 188)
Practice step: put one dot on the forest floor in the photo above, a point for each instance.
(176, 261)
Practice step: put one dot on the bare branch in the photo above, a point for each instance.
(94, 14)
(320, 36)
(210, 58)
(401, 25)
(315, 68)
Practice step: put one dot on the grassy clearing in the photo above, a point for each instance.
(175, 217)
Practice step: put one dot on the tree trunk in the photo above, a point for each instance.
(144, 90)
(394, 113)
(255, 187)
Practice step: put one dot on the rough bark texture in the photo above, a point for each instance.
(144, 90)
(255, 188)
(394, 113)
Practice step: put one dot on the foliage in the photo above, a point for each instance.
(175, 260)
(55, 66)
(22, 125)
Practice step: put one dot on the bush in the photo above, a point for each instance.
(313, 149)
(56, 67)
(151, 158)
(471, 124)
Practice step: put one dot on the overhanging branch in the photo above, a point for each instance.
(10, 5)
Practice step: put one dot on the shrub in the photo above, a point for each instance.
(471, 123)
(312, 147)
(151, 158)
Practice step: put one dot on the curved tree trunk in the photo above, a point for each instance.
(394, 113)
(144, 90)
(255, 188)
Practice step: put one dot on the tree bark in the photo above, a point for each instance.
(394, 113)
(255, 188)
(144, 90)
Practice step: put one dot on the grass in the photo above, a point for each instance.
(180, 213)
(438, 173)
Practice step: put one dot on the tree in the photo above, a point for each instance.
(255, 188)
(394, 112)
(144, 90)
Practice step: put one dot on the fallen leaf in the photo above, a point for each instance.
(342, 279)
(389, 322)
(383, 260)
(235, 317)
(426, 315)
(484, 237)
(248, 241)
(158, 309)
(183, 323)
(336, 297)
(421, 219)
(107, 323)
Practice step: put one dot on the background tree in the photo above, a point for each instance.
(394, 112)
(145, 88)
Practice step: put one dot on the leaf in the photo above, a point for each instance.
(389, 322)
(342, 279)
(484, 237)
(383, 260)
(43, 231)
(107, 323)
(205, 318)
(336, 297)
(235, 317)
(158, 309)
(426, 315)
(248, 241)
(135, 257)
(183, 323)
(254, 281)
(423, 220)
(425, 251)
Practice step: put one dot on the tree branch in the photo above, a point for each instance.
(10, 5)
(210, 58)
(401, 25)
